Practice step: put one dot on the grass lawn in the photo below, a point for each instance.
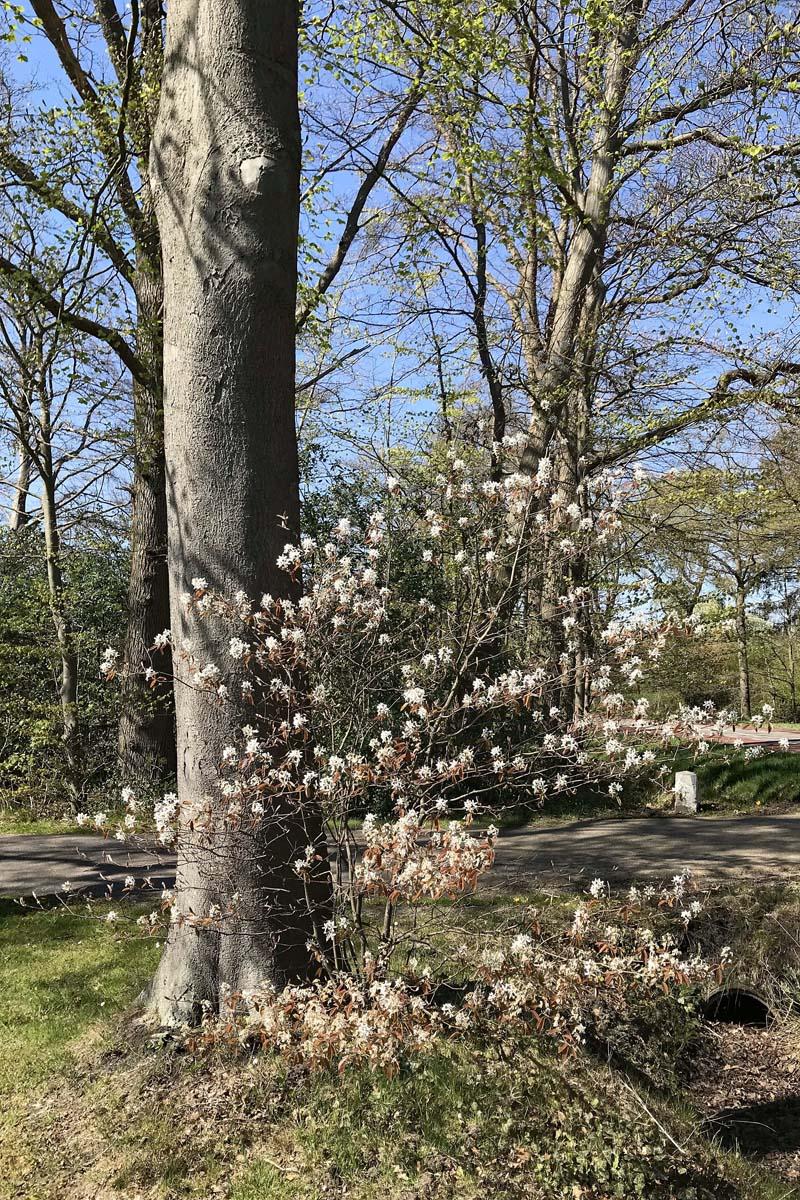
(62, 973)
(89, 1110)
(63, 979)
(13, 822)
(730, 783)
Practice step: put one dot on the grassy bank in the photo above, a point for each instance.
(731, 783)
(90, 1110)
(12, 822)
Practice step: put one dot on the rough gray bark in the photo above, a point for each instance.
(147, 721)
(225, 175)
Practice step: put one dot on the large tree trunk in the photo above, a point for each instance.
(225, 173)
(147, 723)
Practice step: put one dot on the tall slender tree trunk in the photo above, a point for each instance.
(742, 650)
(65, 633)
(19, 516)
(147, 723)
(563, 368)
(792, 672)
(225, 172)
(65, 636)
(557, 375)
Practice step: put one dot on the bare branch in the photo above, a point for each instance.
(351, 226)
(54, 196)
(720, 398)
(74, 320)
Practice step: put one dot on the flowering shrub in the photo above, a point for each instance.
(337, 1022)
(425, 706)
(567, 985)
(406, 721)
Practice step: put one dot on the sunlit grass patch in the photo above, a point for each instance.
(60, 972)
(15, 821)
(731, 782)
(63, 976)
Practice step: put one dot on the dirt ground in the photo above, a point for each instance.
(747, 1087)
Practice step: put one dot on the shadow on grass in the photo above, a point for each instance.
(758, 1129)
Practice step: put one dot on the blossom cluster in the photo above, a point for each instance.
(529, 981)
(397, 862)
(341, 1021)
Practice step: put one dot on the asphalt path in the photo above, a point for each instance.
(40, 864)
(769, 739)
(622, 849)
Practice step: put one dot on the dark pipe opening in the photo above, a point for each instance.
(737, 1006)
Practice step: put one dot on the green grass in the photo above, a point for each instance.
(84, 1103)
(13, 822)
(729, 783)
(60, 973)
(64, 977)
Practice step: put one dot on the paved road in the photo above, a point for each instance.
(41, 863)
(623, 849)
(654, 847)
(741, 736)
(770, 740)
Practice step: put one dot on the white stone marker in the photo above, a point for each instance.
(687, 796)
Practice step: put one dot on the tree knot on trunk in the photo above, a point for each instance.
(255, 172)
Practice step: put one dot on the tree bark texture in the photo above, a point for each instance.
(225, 167)
(147, 722)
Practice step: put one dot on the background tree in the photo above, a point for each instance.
(33, 782)
(599, 197)
(84, 158)
(56, 407)
(723, 528)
